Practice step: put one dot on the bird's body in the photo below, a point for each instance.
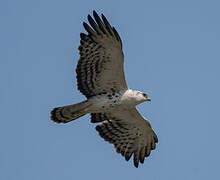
(100, 77)
(106, 102)
(110, 101)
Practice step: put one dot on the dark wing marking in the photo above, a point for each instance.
(130, 133)
(100, 67)
(98, 117)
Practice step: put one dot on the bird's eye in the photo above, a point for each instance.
(145, 95)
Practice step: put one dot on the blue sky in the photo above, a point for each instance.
(172, 52)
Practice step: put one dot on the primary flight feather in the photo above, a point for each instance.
(100, 77)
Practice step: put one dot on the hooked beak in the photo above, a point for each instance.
(148, 99)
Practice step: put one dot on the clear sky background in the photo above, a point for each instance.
(172, 52)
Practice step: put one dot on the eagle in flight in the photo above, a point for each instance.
(100, 77)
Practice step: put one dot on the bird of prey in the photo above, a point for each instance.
(100, 77)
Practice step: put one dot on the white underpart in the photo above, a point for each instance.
(125, 99)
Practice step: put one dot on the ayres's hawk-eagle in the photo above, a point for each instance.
(100, 77)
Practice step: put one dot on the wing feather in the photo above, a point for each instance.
(107, 25)
(130, 133)
(94, 25)
(98, 117)
(99, 22)
(100, 67)
(89, 29)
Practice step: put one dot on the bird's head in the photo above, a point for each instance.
(146, 97)
(141, 96)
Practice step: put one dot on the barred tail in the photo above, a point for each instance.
(69, 113)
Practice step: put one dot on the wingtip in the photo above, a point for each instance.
(95, 13)
(142, 161)
(156, 138)
(128, 156)
(84, 24)
(89, 17)
(105, 20)
(136, 164)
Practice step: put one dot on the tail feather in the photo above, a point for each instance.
(69, 113)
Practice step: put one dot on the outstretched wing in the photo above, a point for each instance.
(100, 67)
(130, 133)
